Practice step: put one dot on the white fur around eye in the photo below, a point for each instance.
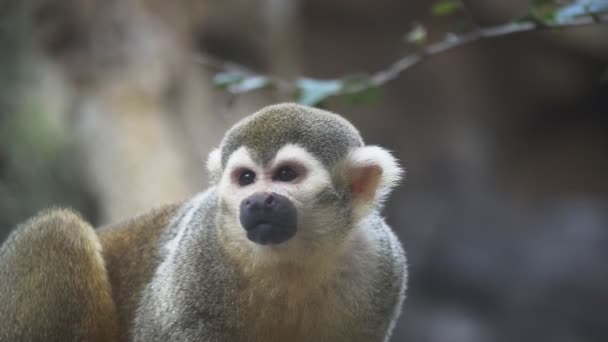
(228, 188)
(317, 177)
(238, 159)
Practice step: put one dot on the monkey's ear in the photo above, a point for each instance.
(371, 172)
(214, 165)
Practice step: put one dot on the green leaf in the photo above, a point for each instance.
(547, 15)
(359, 89)
(417, 35)
(463, 26)
(357, 82)
(225, 79)
(445, 7)
(581, 8)
(540, 12)
(314, 91)
(236, 82)
(370, 95)
(539, 15)
(249, 84)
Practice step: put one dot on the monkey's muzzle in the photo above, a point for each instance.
(268, 218)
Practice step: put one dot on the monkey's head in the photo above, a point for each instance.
(294, 177)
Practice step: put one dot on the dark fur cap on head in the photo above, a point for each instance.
(326, 135)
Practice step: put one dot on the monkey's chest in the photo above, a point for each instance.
(298, 313)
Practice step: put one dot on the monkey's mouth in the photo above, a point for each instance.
(266, 233)
(268, 218)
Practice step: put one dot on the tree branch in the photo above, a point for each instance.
(395, 69)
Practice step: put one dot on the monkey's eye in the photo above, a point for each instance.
(285, 174)
(246, 177)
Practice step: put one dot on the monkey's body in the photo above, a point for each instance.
(277, 302)
(188, 272)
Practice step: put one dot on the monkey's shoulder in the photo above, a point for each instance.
(144, 229)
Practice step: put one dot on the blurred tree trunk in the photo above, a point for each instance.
(136, 90)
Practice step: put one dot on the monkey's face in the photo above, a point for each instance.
(273, 202)
(297, 179)
(292, 200)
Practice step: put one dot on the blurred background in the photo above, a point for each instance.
(504, 214)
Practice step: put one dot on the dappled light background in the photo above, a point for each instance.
(106, 108)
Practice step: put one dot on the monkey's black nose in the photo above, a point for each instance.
(261, 198)
(268, 218)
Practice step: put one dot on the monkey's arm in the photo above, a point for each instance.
(53, 282)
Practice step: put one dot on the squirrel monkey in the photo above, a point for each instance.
(288, 244)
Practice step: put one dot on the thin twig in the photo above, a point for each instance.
(452, 41)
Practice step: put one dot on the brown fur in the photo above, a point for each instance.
(53, 283)
(60, 281)
(130, 251)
